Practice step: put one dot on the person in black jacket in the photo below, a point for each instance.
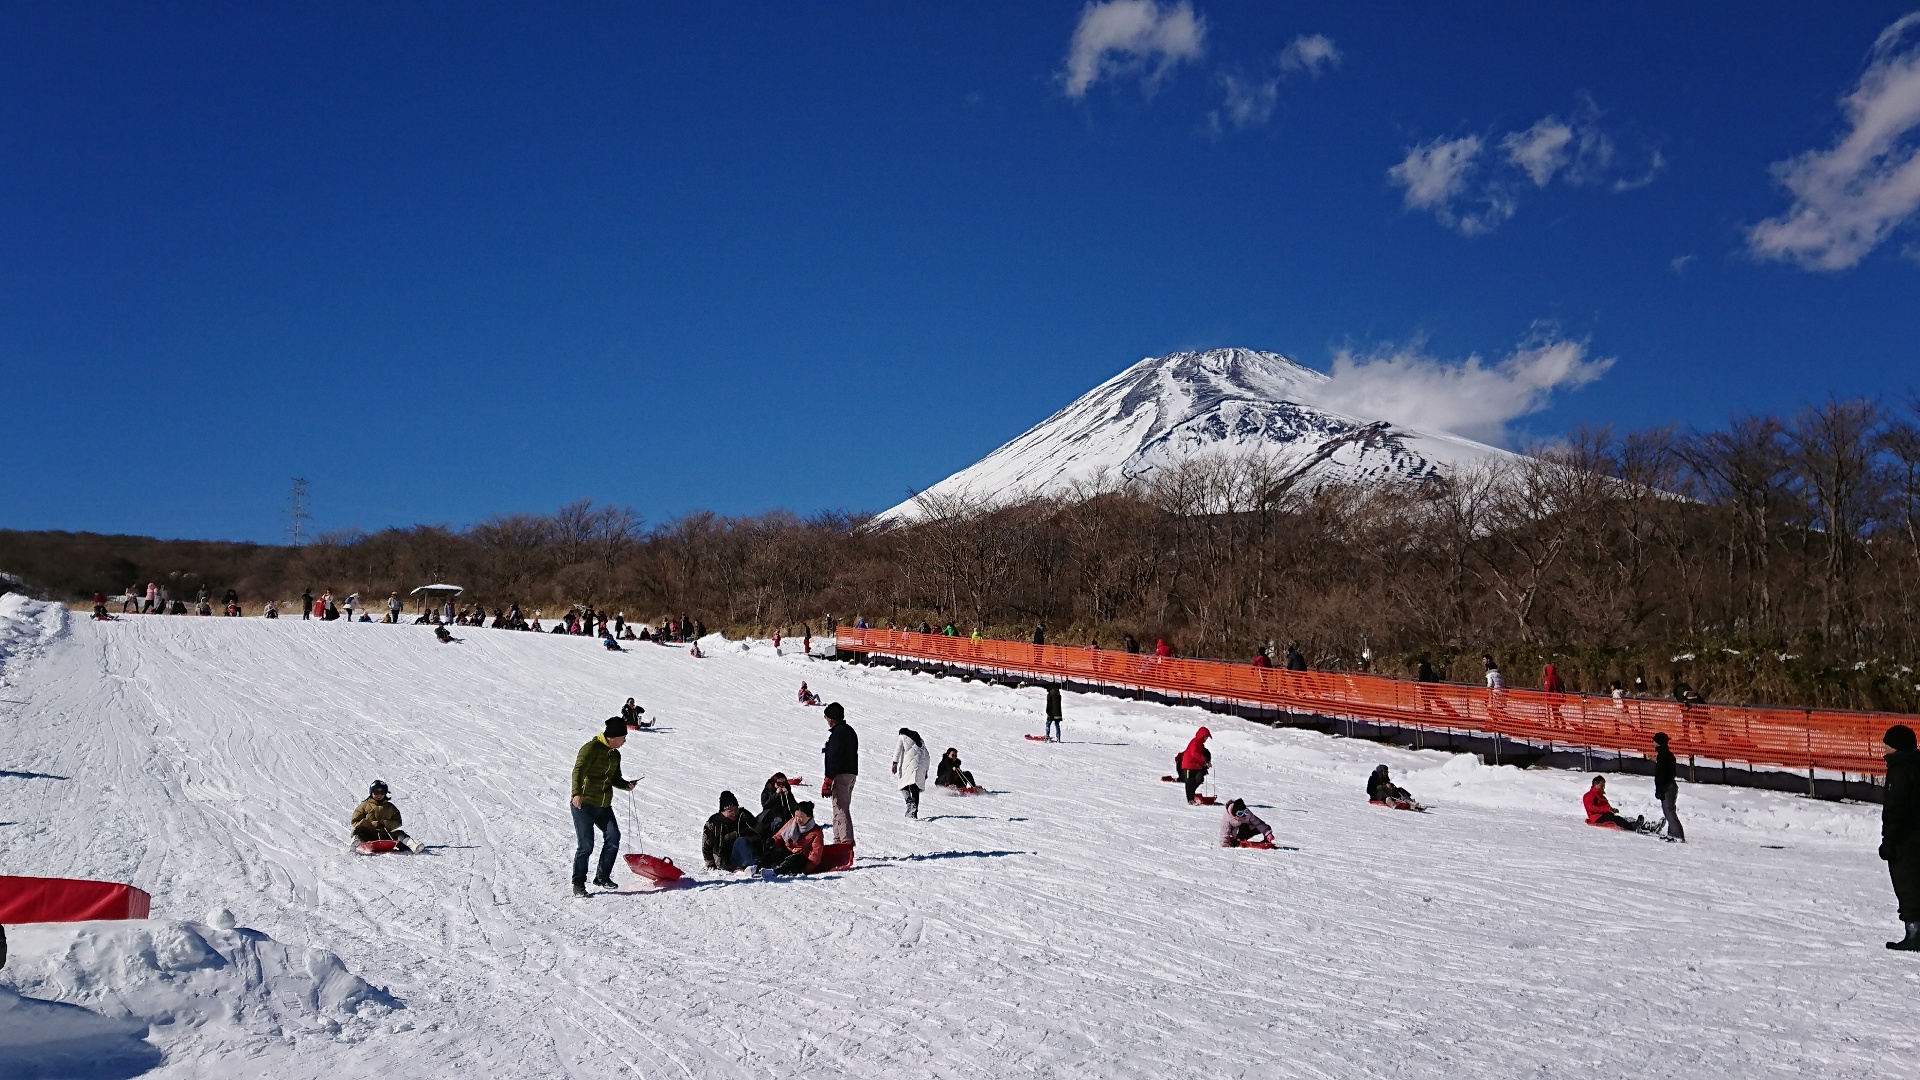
(1295, 662)
(843, 767)
(1053, 715)
(1900, 831)
(1040, 635)
(731, 839)
(1382, 789)
(776, 804)
(1666, 787)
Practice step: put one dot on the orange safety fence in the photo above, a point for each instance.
(1832, 740)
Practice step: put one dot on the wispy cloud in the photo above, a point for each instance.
(1467, 397)
(1309, 54)
(1847, 200)
(1245, 102)
(1679, 263)
(1577, 152)
(1129, 38)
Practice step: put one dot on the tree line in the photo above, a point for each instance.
(1775, 560)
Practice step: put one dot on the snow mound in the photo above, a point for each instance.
(27, 625)
(49, 1038)
(184, 975)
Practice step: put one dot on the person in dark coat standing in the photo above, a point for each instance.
(1053, 715)
(1295, 662)
(1900, 831)
(843, 768)
(1040, 635)
(1666, 787)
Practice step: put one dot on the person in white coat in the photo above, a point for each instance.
(910, 762)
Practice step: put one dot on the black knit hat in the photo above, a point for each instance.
(1899, 736)
(727, 799)
(835, 712)
(616, 728)
(1660, 737)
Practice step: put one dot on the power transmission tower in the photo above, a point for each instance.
(297, 515)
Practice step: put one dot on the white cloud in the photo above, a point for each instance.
(1470, 398)
(1247, 103)
(1124, 37)
(1849, 199)
(1541, 150)
(1310, 54)
(1679, 263)
(1437, 175)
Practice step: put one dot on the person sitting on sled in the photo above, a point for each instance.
(730, 840)
(1601, 812)
(1382, 789)
(1239, 825)
(376, 818)
(797, 845)
(1193, 763)
(776, 803)
(950, 774)
(633, 715)
(808, 697)
(445, 635)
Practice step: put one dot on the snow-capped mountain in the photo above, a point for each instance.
(1171, 408)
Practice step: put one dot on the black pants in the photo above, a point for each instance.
(913, 800)
(1193, 779)
(795, 863)
(1616, 819)
(1905, 871)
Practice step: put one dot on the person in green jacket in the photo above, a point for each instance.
(596, 772)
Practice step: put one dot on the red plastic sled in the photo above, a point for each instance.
(1034, 738)
(656, 869)
(1170, 779)
(1206, 800)
(376, 847)
(835, 857)
(1263, 845)
(975, 790)
(1380, 802)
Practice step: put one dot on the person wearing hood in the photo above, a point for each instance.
(1550, 681)
(1193, 763)
(910, 765)
(730, 840)
(1382, 789)
(1900, 831)
(1239, 825)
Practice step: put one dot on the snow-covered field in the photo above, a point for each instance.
(1077, 922)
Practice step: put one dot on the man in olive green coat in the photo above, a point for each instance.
(596, 772)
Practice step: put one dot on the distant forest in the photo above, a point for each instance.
(1775, 561)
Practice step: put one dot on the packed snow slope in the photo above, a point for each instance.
(1168, 409)
(1079, 921)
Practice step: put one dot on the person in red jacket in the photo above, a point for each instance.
(1194, 761)
(1601, 812)
(1550, 681)
(1260, 658)
(797, 845)
(1163, 649)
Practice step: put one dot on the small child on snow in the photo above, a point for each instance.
(1239, 825)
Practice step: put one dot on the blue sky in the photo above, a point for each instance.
(453, 260)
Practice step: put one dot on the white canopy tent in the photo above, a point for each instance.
(431, 595)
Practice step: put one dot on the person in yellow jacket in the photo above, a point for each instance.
(378, 819)
(596, 772)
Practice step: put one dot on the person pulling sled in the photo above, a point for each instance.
(596, 772)
(1194, 763)
(1381, 789)
(1239, 825)
(377, 819)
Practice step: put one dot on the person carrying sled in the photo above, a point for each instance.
(1382, 789)
(731, 838)
(1053, 715)
(378, 819)
(910, 765)
(1194, 762)
(950, 773)
(796, 847)
(1601, 812)
(596, 772)
(842, 753)
(1900, 830)
(1239, 825)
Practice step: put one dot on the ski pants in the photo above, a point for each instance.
(1192, 778)
(912, 795)
(843, 808)
(1905, 870)
(1053, 729)
(1671, 817)
(1616, 819)
(585, 820)
(741, 855)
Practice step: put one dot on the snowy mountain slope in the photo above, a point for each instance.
(1168, 409)
(1080, 922)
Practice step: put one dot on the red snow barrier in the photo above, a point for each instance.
(1836, 740)
(41, 899)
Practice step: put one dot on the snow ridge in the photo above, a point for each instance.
(1169, 409)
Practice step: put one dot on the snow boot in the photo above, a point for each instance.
(580, 888)
(1910, 943)
(604, 883)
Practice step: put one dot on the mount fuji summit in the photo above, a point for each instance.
(1169, 409)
